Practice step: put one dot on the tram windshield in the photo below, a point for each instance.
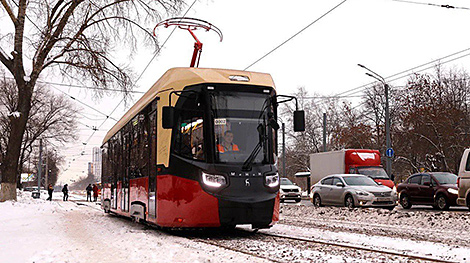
(239, 117)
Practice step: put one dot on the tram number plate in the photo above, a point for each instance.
(220, 121)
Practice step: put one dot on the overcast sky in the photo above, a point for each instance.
(385, 35)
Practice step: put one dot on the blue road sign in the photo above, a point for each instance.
(389, 152)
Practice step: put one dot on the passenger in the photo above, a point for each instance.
(227, 144)
(95, 192)
(88, 192)
(50, 190)
(65, 190)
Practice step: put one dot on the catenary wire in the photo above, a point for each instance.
(430, 4)
(296, 34)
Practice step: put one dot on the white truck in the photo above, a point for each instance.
(463, 181)
(349, 161)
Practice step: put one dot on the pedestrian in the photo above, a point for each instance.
(88, 192)
(50, 190)
(65, 190)
(95, 192)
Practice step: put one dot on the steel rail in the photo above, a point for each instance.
(363, 248)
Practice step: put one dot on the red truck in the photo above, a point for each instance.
(349, 161)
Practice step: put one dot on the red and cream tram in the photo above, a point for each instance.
(197, 150)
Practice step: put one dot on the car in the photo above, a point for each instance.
(289, 191)
(438, 189)
(352, 190)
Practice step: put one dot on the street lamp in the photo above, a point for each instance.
(388, 142)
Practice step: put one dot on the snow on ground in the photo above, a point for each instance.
(36, 230)
(438, 234)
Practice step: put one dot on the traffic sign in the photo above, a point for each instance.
(389, 152)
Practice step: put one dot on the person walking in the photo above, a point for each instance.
(95, 192)
(50, 190)
(88, 192)
(65, 190)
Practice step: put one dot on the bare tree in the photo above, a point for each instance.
(52, 118)
(75, 38)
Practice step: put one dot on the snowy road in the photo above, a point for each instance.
(41, 231)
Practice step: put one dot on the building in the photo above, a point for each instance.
(96, 161)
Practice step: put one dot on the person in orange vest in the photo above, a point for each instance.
(227, 144)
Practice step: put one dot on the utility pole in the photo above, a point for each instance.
(39, 166)
(388, 141)
(324, 132)
(284, 150)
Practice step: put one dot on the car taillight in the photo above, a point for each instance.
(458, 182)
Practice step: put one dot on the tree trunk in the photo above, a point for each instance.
(18, 126)
(7, 190)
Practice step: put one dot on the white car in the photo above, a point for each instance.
(289, 191)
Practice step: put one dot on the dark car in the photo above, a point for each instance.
(438, 189)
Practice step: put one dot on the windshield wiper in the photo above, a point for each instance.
(249, 161)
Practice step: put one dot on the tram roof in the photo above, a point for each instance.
(177, 78)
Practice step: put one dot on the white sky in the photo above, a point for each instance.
(385, 35)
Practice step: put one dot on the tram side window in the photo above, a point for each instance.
(190, 139)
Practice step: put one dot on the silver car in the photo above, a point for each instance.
(352, 190)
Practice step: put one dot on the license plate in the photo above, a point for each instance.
(291, 194)
(382, 199)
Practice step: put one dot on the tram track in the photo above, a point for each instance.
(356, 247)
(265, 243)
(285, 248)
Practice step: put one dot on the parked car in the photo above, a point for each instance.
(289, 191)
(438, 189)
(463, 181)
(352, 190)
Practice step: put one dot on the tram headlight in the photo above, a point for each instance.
(272, 180)
(213, 180)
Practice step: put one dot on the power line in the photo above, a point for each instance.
(146, 67)
(107, 116)
(430, 4)
(411, 69)
(296, 34)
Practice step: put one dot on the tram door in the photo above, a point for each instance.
(125, 177)
(152, 209)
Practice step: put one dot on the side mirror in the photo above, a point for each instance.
(299, 121)
(168, 117)
(427, 183)
(392, 177)
(339, 184)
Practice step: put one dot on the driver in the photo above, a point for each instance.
(227, 144)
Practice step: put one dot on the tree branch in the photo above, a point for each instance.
(9, 11)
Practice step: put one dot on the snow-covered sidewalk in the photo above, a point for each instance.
(35, 230)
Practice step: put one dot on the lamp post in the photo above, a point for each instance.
(388, 142)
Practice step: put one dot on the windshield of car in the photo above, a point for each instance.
(446, 178)
(373, 172)
(285, 181)
(359, 180)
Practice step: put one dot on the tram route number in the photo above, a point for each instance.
(220, 122)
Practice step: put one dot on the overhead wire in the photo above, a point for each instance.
(296, 34)
(431, 4)
(142, 73)
(408, 70)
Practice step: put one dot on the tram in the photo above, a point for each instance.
(199, 149)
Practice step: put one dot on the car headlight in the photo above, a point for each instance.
(272, 180)
(453, 191)
(213, 180)
(364, 193)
